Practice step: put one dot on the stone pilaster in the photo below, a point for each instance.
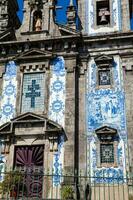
(82, 116)
(125, 15)
(69, 155)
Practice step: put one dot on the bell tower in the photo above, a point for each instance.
(71, 15)
(38, 18)
(106, 16)
(8, 15)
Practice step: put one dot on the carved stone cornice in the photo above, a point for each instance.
(33, 54)
(51, 45)
(83, 63)
(48, 128)
(41, 67)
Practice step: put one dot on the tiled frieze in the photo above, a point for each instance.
(8, 98)
(8, 102)
(57, 109)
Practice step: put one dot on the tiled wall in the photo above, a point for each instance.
(33, 92)
(8, 98)
(57, 108)
(8, 101)
(106, 107)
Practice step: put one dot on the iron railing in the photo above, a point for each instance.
(29, 185)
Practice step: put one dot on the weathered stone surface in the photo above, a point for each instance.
(35, 51)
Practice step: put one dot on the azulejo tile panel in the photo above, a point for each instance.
(8, 98)
(57, 109)
(106, 107)
(109, 176)
(2, 166)
(33, 92)
(8, 101)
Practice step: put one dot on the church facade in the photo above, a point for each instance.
(66, 91)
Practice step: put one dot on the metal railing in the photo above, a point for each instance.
(29, 185)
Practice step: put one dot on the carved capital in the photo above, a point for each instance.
(83, 63)
(70, 64)
(2, 69)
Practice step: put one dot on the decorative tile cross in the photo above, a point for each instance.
(33, 92)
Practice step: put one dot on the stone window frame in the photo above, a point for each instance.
(104, 63)
(112, 133)
(30, 69)
(95, 15)
(104, 68)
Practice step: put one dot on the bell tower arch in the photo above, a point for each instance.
(36, 16)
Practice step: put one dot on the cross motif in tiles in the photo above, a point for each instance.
(33, 92)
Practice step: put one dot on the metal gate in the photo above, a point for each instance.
(29, 161)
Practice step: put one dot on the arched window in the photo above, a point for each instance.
(37, 20)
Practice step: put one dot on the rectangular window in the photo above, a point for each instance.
(103, 12)
(33, 92)
(107, 153)
(104, 77)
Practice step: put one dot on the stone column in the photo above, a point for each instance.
(69, 156)
(45, 17)
(82, 11)
(2, 71)
(125, 15)
(82, 115)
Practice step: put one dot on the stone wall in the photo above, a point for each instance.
(129, 112)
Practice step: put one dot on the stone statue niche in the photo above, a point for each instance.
(37, 20)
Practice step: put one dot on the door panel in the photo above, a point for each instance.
(29, 160)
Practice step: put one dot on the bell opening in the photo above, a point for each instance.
(103, 12)
(37, 20)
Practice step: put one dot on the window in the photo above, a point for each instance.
(104, 71)
(33, 92)
(107, 153)
(103, 12)
(104, 77)
(107, 147)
